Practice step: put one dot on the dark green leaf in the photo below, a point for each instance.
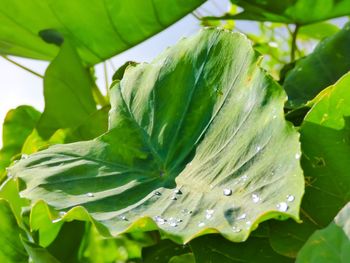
(331, 244)
(291, 11)
(11, 248)
(213, 248)
(203, 118)
(323, 67)
(163, 252)
(326, 148)
(99, 29)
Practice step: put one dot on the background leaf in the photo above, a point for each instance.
(99, 30)
(299, 12)
(331, 244)
(12, 249)
(18, 124)
(326, 148)
(323, 67)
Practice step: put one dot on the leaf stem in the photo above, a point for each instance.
(100, 99)
(22, 67)
(105, 75)
(294, 46)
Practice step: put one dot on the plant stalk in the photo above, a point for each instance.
(294, 46)
(22, 67)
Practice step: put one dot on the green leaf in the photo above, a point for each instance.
(185, 258)
(12, 249)
(318, 31)
(213, 248)
(38, 254)
(300, 12)
(99, 29)
(323, 67)
(68, 93)
(163, 252)
(326, 146)
(331, 244)
(202, 118)
(17, 126)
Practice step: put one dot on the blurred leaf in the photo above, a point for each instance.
(11, 248)
(18, 124)
(300, 12)
(163, 252)
(228, 136)
(185, 258)
(68, 241)
(318, 31)
(39, 254)
(331, 244)
(67, 92)
(213, 248)
(323, 67)
(99, 30)
(325, 145)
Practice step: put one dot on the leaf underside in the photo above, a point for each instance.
(202, 118)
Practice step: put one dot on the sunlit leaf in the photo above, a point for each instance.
(197, 143)
(99, 29)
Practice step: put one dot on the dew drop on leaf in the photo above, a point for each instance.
(157, 193)
(90, 194)
(236, 229)
(178, 191)
(242, 216)
(283, 206)
(201, 224)
(209, 213)
(290, 198)
(255, 198)
(227, 192)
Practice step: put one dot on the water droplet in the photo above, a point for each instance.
(62, 213)
(157, 193)
(227, 192)
(24, 156)
(290, 198)
(186, 211)
(258, 149)
(243, 178)
(274, 116)
(297, 156)
(248, 223)
(123, 218)
(179, 220)
(173, 224)
(174, 198)
(201, 224)
(178, 192)
(242, 216)
(256, 198)
(209, 213)
(236, 229)
(283, 206)
(159, 220)
(90, 194)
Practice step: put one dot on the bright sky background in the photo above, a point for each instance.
(19, 87)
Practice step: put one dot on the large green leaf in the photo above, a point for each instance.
(68, 93)
(213, 248)
(323, 67)
(99, 29)
(12, 249)
(197, 143)
(331, 244)
(326, 150)
(18, 124)
(292, 11)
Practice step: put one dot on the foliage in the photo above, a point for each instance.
(188, 158)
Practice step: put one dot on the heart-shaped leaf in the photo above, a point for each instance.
(197, 143)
